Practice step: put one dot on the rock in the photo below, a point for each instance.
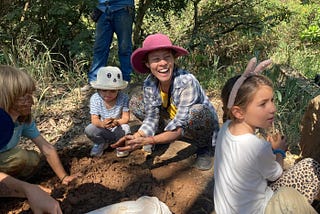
(310, 130)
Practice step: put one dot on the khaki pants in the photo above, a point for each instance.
(19, 163)
(288, 200)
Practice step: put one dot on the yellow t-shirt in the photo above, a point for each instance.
(172, 109)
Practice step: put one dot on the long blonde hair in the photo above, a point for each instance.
(14, 83)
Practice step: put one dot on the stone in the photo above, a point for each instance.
(310, 130)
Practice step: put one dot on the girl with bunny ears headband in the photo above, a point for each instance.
(245, 164)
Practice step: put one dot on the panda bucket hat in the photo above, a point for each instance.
(109, 78)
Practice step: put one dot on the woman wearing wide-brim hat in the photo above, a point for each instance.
(174, 105)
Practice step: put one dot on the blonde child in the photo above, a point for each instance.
(245, 163)
(109, 109)
(16, 99)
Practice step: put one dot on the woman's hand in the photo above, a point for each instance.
(121, 144)
(130, 143)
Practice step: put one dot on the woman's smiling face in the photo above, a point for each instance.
(161, 64)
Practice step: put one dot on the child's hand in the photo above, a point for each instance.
(115, 123)
(277, 141)
(107, 123)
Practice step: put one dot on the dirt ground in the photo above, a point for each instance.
(166, 174)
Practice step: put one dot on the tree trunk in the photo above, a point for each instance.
(310, 130)
(143, 6)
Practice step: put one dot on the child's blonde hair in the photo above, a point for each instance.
(14, 83)
(244, 94)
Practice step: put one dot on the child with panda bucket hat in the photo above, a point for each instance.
(109, 110)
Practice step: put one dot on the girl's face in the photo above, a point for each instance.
(161, 64)
(261, 110)
(22, 105)
(108, 95)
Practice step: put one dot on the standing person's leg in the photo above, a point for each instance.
(103, 39)
(123, 22)
(304, 176)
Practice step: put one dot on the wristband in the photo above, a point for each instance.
(280, 151)
(63, 177)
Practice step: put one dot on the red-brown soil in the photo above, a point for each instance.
(107, 180)
(166, 174)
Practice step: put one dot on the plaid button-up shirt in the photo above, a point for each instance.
(185, 92)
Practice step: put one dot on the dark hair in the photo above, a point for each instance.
(245, 92)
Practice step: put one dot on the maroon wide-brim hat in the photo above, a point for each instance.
(151, 43)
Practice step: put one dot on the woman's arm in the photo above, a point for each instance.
(138, 139)
(168, 136)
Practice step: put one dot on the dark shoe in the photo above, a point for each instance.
(204, 162)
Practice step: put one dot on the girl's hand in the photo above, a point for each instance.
(278, 141)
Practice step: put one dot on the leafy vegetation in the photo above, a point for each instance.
(53, 41)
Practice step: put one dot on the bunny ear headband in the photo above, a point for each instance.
(251, 69)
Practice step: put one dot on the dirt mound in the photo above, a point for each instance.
(166, 174)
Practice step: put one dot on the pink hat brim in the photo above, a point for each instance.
(138, 57)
